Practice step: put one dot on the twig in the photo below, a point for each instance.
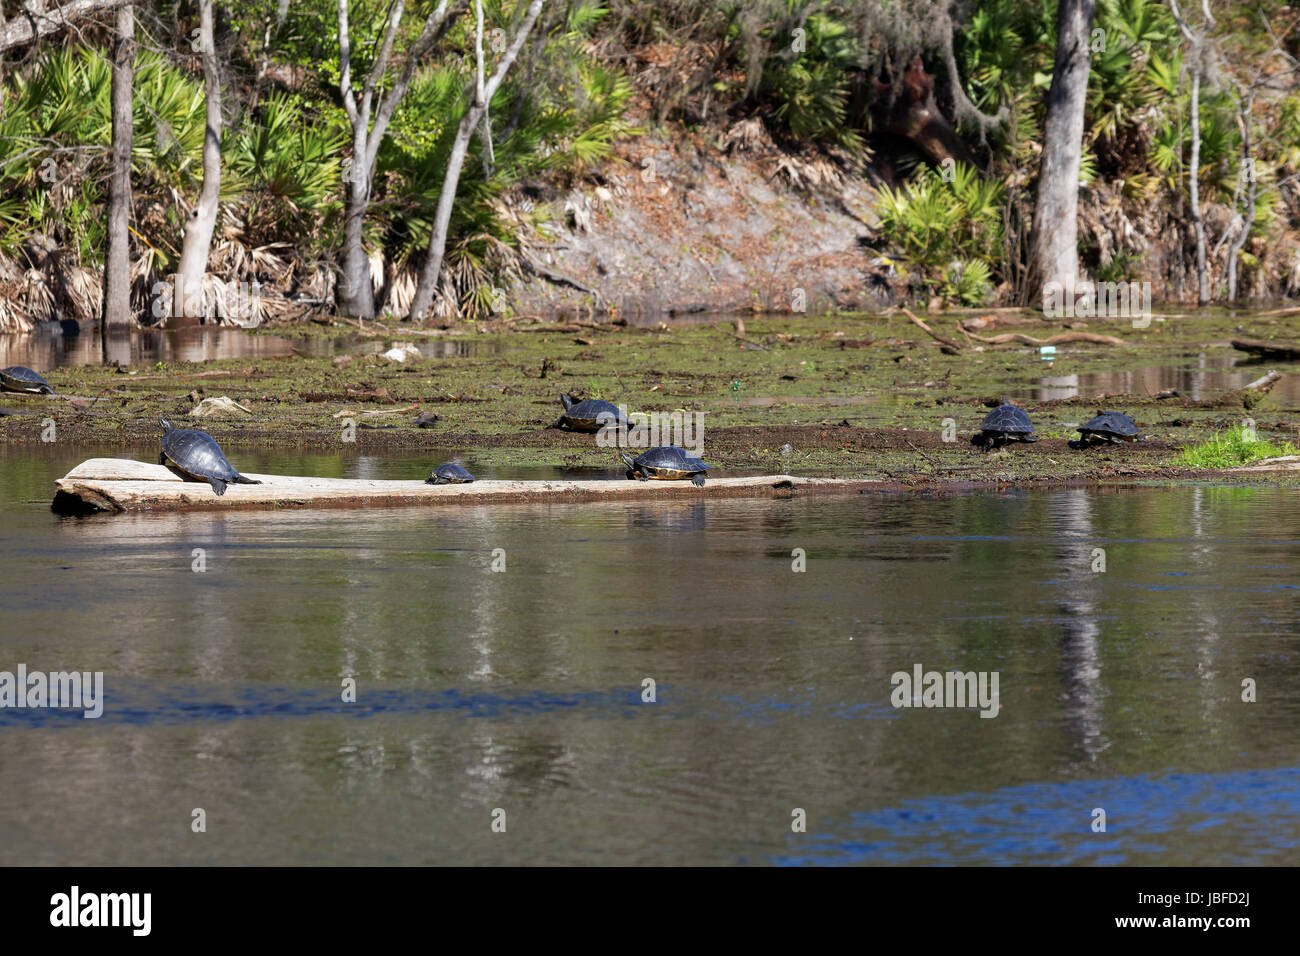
(931, 332)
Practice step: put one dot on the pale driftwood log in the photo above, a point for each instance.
(117, 485)
(1265, 382)
(1285, 463)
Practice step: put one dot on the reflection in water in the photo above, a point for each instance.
(1212, 375)
(201, 344)
(146, 346)
(1079, 563)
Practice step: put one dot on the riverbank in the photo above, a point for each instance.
(869, 397)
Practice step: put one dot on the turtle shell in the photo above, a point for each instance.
(20, 379)
(1108, 424)
(1008, 420)
(589, 416)
(668, 463)
(449, 474)
(197, 455)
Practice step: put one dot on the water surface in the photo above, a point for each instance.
(522, 690)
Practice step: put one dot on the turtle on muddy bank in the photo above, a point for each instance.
(1003, 425)
(1107, 428)
(590, 415)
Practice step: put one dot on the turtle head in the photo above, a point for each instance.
(566, 401)
(627, 459)
(167, 426)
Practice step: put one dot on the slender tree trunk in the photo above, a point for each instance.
(428, 284)
(1054, 255)
(116, 313)
(1198, 49)
(356, 297)
(187, 297)
(1194, 191)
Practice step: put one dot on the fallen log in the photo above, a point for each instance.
(117, 485)
(1248, 395)
(1063, 338)
(1279, 351)
(1264, 382)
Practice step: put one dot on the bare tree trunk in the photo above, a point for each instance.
(1194, 191)
(356, 293)
(187, 297)
(356, 296)
(116, 313)
(428, 284)
(1054, 254)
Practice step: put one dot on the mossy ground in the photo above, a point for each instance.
(850, 395)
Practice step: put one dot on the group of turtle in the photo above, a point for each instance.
(664, 463)
(196, 454)
(1007, 423)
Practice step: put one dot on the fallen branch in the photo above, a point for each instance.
(557, 278)
(757, 345)
(952, 347)
(1277, 312)
(1061, 339)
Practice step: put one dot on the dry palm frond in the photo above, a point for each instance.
(804, 173)
(747, 135)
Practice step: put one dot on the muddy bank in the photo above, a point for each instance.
(864, 397)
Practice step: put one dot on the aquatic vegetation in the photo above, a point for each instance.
(1236, 446)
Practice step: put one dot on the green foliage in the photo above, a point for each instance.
(934, 223)
(968, 282)
(809, 88)
(1236, 446)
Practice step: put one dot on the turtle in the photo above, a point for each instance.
(449, 474)
(665, 463)
(1004, 424)
(589, 416)
(1107, 427)
(197, 455)
(19, 379)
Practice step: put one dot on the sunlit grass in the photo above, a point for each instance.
(1236, 446)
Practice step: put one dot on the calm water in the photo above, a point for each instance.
(521, 690)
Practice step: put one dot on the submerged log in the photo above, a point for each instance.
(117, 485)
(1280, 351)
